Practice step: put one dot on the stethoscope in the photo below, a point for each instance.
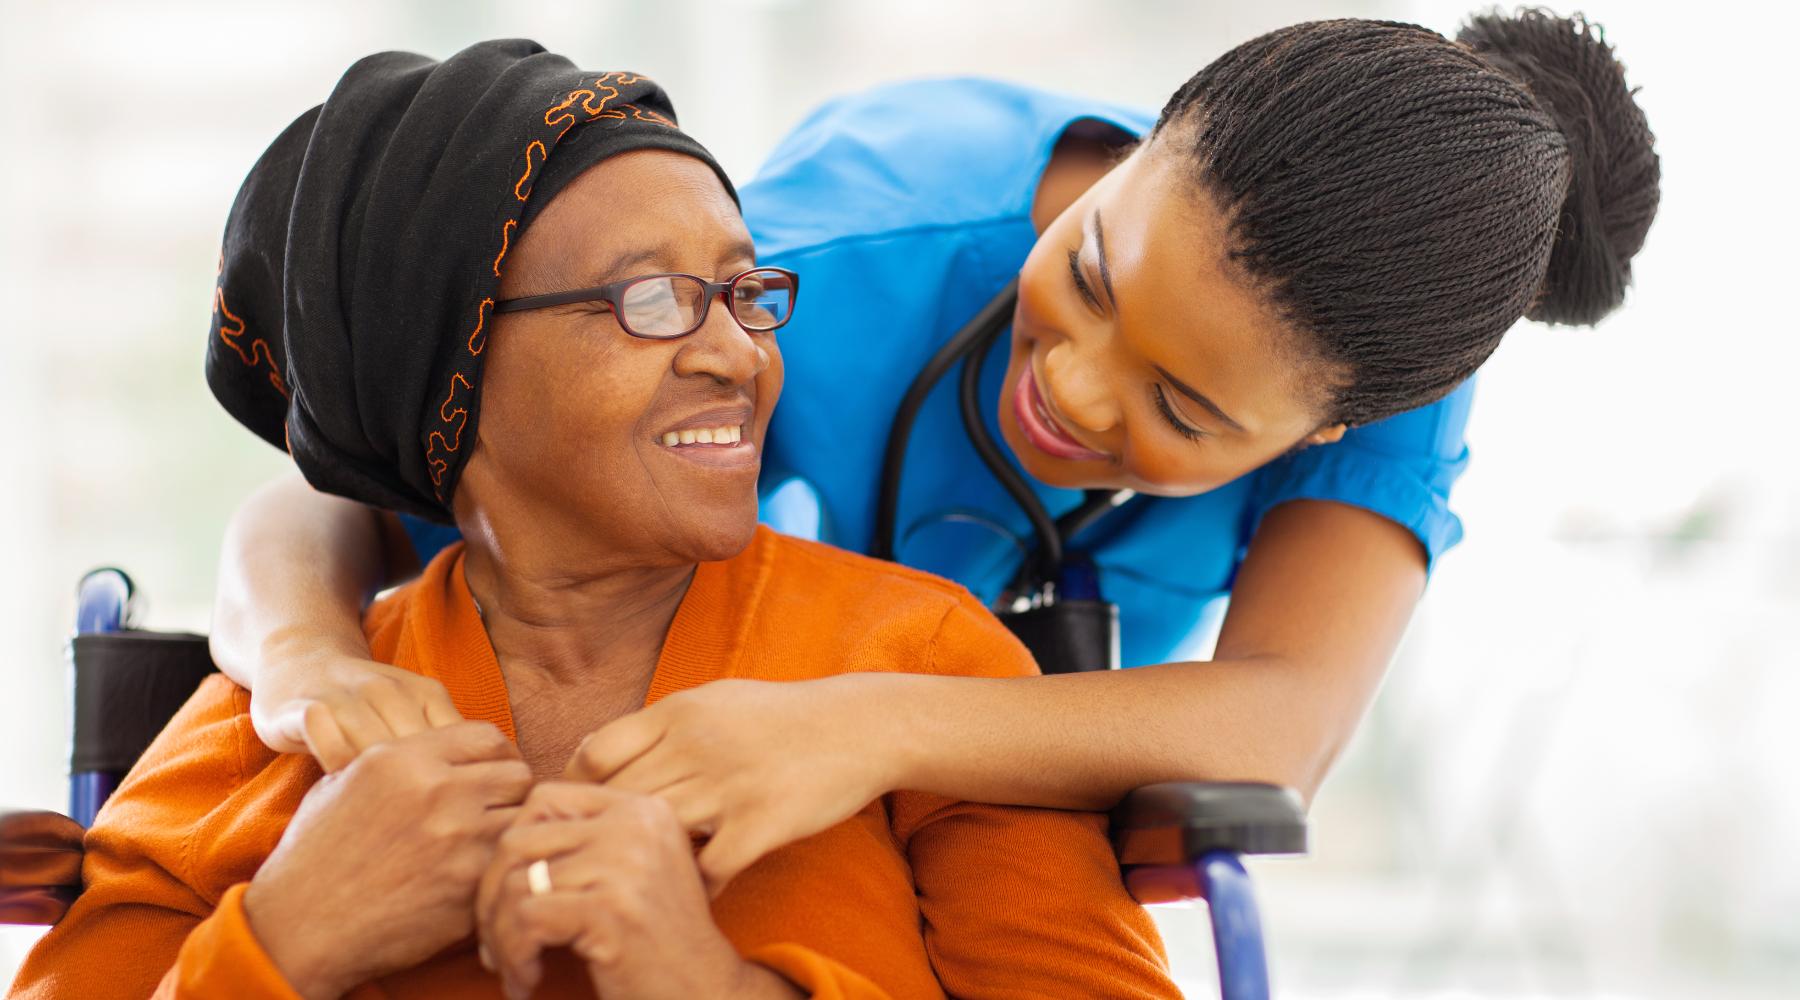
(1053, 601)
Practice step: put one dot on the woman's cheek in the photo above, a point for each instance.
(770, 382)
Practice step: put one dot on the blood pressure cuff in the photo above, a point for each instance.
(1069, 637)
(128, 685)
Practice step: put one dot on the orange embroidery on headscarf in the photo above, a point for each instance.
(594, 103)
(520, 191)
(505, 243)
(259, 352)
(478, 339)
(648, 116)
(459, 415)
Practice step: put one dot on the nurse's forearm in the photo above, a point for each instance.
(295, 569)
(1082, 741)
(1318, 608)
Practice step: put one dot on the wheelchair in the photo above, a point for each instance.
(1175, 841)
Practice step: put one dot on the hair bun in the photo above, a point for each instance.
(1614, 184)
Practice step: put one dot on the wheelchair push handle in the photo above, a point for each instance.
(104, 603)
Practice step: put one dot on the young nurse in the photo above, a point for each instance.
(1259, 311)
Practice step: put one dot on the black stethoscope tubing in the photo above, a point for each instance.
(969, 345)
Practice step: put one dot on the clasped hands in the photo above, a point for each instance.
(427, 838)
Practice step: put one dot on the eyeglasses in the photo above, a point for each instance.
(666, 306)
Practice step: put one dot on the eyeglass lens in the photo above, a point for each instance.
(671, 305)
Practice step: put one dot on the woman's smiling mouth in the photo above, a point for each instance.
(723, 435)
(718, 437)
(1041, 428)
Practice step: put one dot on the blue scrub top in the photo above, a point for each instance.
(905, 209)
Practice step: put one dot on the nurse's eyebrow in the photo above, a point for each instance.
(1100, 254)
(1200, 397)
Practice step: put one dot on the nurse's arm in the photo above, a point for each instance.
(1317, 611)
(296, 568)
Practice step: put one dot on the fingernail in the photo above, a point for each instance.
(487, 960)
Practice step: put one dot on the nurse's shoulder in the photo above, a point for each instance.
(914, 154)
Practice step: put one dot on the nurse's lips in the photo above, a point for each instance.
(1041, 427)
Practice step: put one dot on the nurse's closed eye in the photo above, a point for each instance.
(1181, 426)
(1081, 282)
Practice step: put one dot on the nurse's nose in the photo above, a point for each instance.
(1079, 390)
(723, 350)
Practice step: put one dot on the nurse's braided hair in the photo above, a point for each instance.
(1405, 199)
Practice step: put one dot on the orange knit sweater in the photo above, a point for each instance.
(915, 896)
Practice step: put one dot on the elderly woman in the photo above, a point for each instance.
(421, 280)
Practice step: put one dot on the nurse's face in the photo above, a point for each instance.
(1140, 358)
(592, 440)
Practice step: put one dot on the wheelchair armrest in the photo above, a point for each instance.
(40, 866)
(1175, 822)
(1164, 833)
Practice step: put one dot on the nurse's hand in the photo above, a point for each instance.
(334, 707)
(749, 765)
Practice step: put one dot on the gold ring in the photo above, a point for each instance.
(537, 876)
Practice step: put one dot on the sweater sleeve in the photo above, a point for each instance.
(821, 977)
(143, 926)
(1021, 902)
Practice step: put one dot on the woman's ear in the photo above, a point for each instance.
(1325, 435)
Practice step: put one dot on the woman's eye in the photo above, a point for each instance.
(1181, 426)
(1081, 282)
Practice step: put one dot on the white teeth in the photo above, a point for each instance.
(704, 435)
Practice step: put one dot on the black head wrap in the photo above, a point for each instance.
(363, 255)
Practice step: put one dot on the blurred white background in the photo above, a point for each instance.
(1580, 779)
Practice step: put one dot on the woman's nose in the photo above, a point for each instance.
(1079, 390)
(723, 350)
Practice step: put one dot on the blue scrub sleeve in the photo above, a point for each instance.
(428, 538)
(1401, 468)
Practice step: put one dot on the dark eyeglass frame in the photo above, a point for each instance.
(613, 295)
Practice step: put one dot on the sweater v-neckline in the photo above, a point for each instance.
(446, 638)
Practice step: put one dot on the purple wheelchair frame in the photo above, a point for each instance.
(1175, 841)
(102, 604)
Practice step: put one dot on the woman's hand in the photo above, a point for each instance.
(622, 893)
(378, 869)
(335, 707)
(752, 765)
